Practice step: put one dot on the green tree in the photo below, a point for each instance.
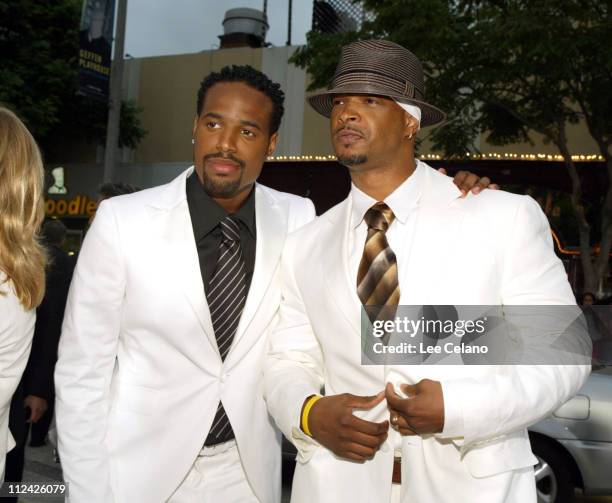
(506, 68)
(39, 43)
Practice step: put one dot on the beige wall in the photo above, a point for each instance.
(166, 88)
(316, 140)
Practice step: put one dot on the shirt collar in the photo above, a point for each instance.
(206, 213)
(401, 201)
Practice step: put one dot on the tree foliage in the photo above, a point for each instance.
(39, 43)
(505, 68)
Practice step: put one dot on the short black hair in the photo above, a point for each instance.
(112, 189)
(54, 232)
(253, 78)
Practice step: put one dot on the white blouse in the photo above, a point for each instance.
(16, 331)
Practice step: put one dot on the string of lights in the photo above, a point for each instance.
(468, 155)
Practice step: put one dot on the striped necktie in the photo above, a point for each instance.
(226, 300)
(377, 283)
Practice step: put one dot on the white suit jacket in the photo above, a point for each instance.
(16, 331)
(139, 375)
(490, 249)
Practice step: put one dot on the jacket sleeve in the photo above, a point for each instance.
(15, 343)
(38, 375)
(294, 366)
(518, 395)
(86, 359)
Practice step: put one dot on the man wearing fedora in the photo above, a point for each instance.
(458, 433)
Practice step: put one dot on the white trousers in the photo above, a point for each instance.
(216, 476)
(396, 493)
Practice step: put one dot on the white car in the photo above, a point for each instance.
(574, 445)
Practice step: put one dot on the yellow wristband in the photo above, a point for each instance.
(311, 401)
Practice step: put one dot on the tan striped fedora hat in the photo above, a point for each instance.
(381, 68)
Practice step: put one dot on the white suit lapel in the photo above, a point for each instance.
(271, 222)
(437, 225)
(336, 274)
(438, 219)
(171, 215)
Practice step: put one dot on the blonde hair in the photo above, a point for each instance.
(22, 210)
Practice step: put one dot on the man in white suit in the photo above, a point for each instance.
(157, 400)
(159, 377)
(460, 434)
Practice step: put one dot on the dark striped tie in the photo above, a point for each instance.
(226, 298)
(377, 283)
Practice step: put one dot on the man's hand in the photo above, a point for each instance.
(422, 412)
(38, 406)
(333, 425)
(467, 181)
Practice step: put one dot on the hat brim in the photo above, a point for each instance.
(322, 102)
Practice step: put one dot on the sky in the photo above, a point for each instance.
(160, 27)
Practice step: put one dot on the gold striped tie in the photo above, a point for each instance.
(377, 283)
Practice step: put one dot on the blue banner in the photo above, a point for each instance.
(95, 42)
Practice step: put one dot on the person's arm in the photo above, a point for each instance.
(523, 394)
(517, 396)
(87, 353)
(294, 372)
(38, 375)
(15, 343)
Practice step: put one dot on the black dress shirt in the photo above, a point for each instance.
(206, 216)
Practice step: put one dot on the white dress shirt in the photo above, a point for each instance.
(402, 201)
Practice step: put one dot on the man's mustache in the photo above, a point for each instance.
(348, 128)
(224, 157)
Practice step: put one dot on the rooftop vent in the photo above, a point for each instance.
(244, 27)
